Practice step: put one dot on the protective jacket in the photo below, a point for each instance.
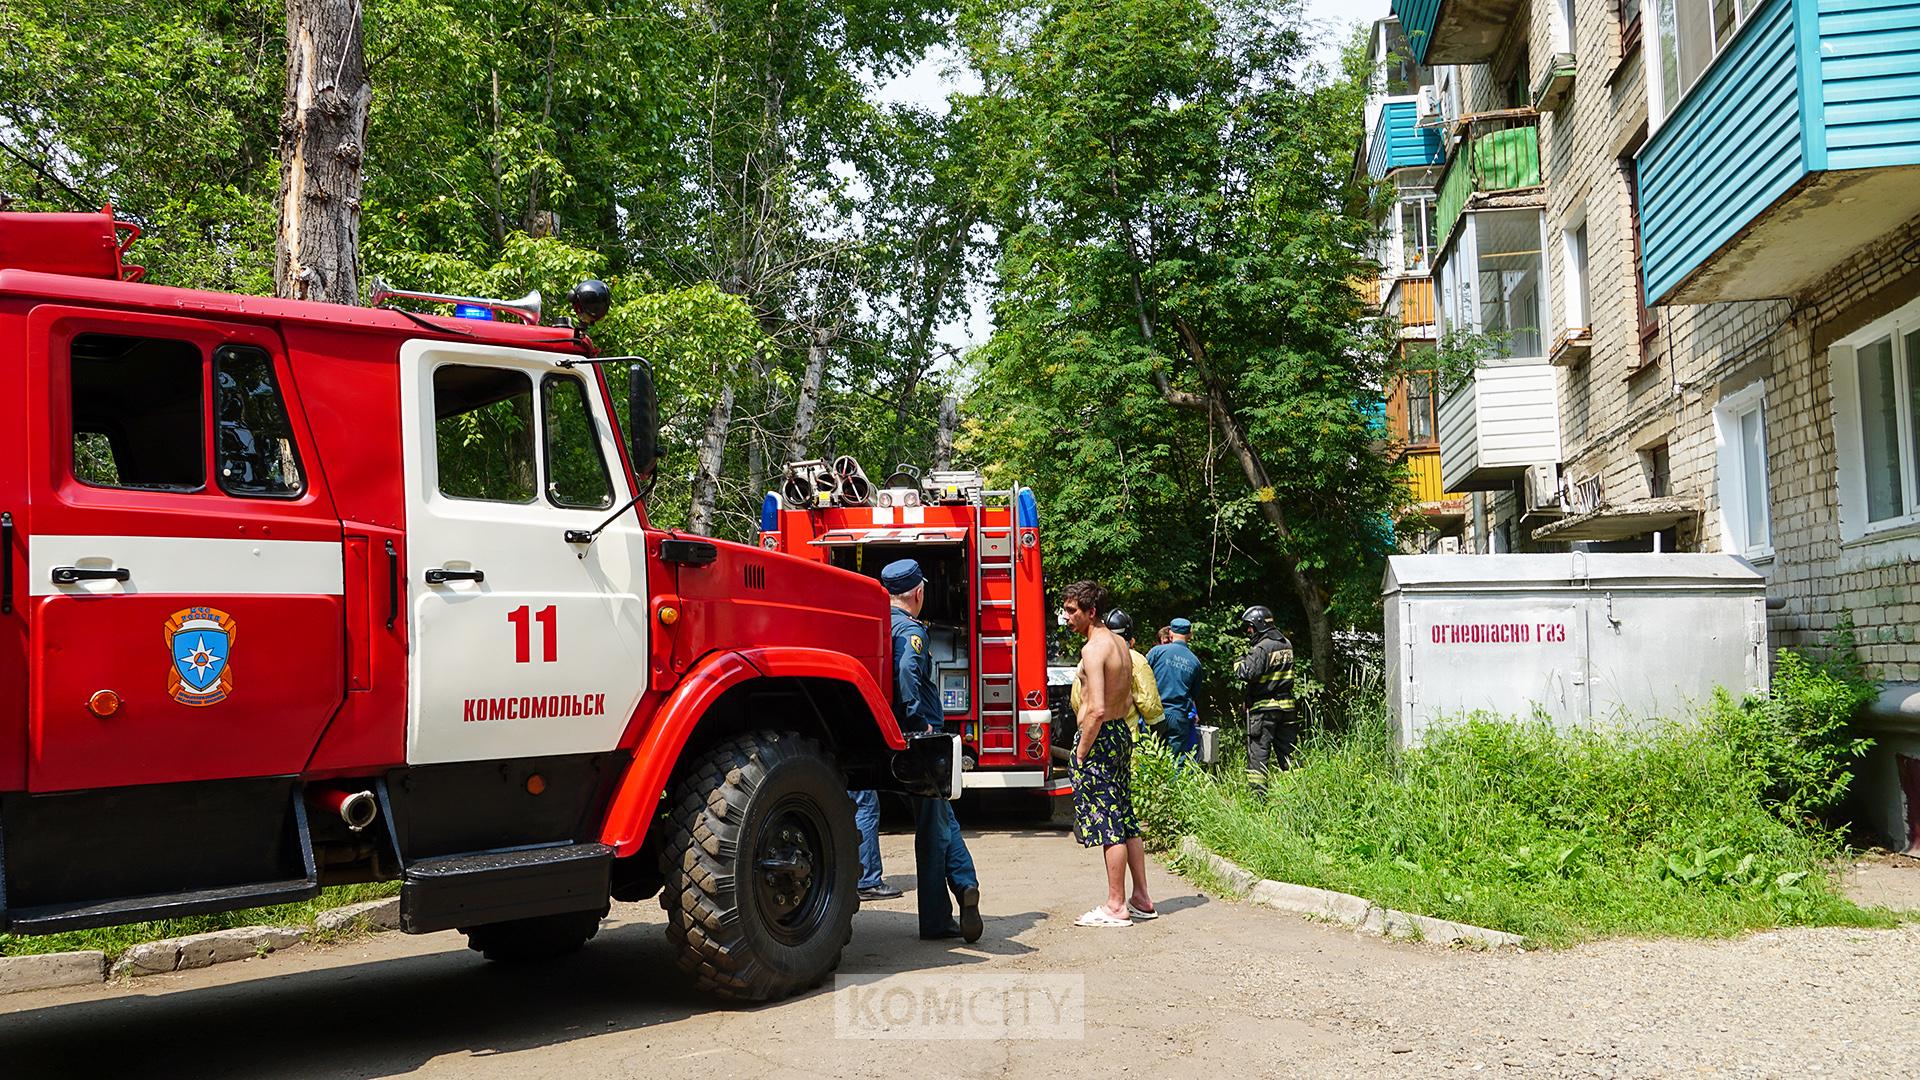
(1267, 669)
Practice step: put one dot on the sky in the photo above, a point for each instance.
(936, 76)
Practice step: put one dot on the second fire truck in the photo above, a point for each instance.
(985, 608)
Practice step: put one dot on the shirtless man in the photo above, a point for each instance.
(1103, 760)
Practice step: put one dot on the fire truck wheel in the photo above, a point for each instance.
(525, 940)
(760, 860)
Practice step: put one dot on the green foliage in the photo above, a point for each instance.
(1560, 837)
(114, 940)
(1170, 193)
(1799, 740)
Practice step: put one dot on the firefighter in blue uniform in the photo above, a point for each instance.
(939, 852)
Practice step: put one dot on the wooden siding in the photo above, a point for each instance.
(1414, 297)
(1423, 477)
(1806, 86)
(1399, 141)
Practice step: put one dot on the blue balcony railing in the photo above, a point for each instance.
(1399, 142)
(1795, 148)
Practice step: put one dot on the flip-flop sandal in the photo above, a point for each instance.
(1142, 914)
(1099, 917)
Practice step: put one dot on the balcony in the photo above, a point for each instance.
(1410, 300)
(1455, 31)
(1423, 476)
(1498, 152)
(1399, 142)
(1505, 418)
(1798, 146)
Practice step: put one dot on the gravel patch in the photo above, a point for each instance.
(1820, 1002)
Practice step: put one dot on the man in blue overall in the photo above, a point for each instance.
(939, 852)
(1175, 671)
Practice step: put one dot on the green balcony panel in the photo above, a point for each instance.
(1501, 152)
(1799, 146)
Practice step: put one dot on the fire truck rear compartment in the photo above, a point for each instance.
(945, 613)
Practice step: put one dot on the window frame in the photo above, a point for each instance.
(1731, 474)
(1658, 108)
(1850, 466)
(203, 426)
(535, 435)
(593, 429)
(1458, 306)
(1576, 273)
(213, 410)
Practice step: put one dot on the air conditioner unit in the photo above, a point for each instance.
(1540, 488)
(1449, 545)
(1429, 105)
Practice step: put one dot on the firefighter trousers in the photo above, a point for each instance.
(1271, 736)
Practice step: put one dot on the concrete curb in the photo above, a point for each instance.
(1355, 911)
(48, 971)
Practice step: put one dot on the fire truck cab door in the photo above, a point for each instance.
(523, 644)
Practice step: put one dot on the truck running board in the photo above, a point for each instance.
(460, 891)
(54, 918)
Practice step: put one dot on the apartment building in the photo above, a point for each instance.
(1688, 235)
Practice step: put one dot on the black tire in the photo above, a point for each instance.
(761, 859)
(526, 940)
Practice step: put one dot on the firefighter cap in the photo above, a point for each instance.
(901, 575)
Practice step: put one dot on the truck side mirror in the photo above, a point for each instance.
(643, 420)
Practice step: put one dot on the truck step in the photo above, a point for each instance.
(54, 918)
(495, 886)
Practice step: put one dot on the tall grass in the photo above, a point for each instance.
(1556, 836)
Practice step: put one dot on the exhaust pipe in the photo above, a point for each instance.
(357, 808)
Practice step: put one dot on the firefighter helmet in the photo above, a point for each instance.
(1257, 619)
(1120, 623)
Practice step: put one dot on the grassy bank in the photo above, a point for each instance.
(1512, 826)
(114, 940)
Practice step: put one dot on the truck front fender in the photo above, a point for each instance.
(637, 801)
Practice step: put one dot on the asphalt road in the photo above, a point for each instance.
(1213, 989)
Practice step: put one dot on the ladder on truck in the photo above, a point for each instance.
(995, 565)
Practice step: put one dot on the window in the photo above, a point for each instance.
(253, 441)
(1629, 12)
(576, 471)
(137, 409)
(1566, 28)
(1648, 321)
(1490, 283)
(483, 420)
(1876, 402)
(1658, 466)
(1740, 435)
(1416, 224)
(1688, 35)
(1573, 250)
(1400, 74)
(1422, 423)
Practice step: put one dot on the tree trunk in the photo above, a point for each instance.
(943, 438)
(323, 135)
(712, 454)
(803, 409)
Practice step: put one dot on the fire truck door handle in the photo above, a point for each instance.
(67, 575)
(6, 564)
(393, 585)
(440, 576)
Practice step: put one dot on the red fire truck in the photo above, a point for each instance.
(294, 594)
(985, 609)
